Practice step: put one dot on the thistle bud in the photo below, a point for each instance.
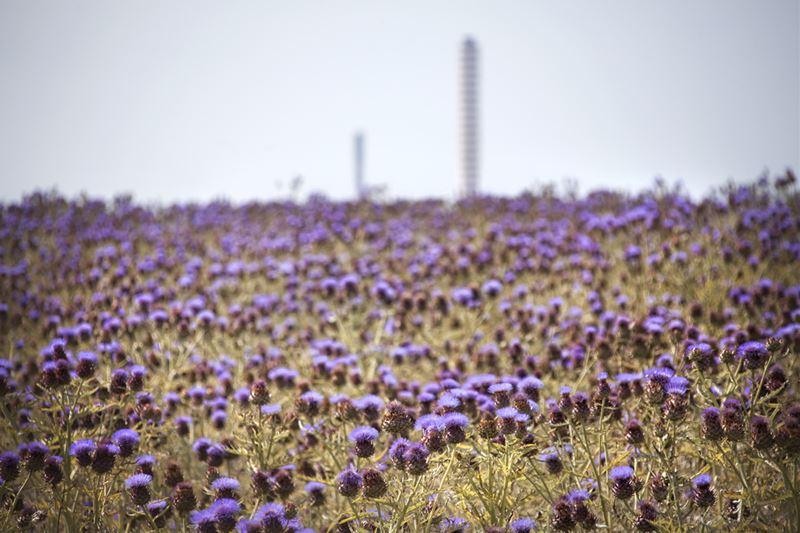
(710, 424)
(562, 519)
(397, 419)
(259, 392)
(634, 433)
(659, 487)
(645, 518)
(183, 498)
(374, 485)
(760, 432)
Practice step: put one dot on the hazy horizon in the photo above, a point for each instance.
(193, 101)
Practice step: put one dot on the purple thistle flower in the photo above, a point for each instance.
(225, 512)
(87, 365)
(428, 421)
(363, 434)
(215, 455)
(158, 510)
(507, 413)
(552, 462)
(138, 486)
(9, 466)
(397, 452)
(702, 493)
(201, 446)
(623, 484)
(146, 464)
(522, 525)
(182, 425)
(33, 455)
(701, 355)
(119, 381)
(370, 405)
(702, 481)
(82, 451)
(309, 402)
(454, 425)
(506, 420)
(754, 354)
(105, 456)
(316, 492)
(677, 385)
(271, 518)
(349, 482)
(52, 472)
(415, 457)
(127, 440)
(711, 425)
(225, 487)
(621, 473)
(218, 419)
(138, 480)
(363, 438)
(271, 409)
(492, 288)
(204, 520)
(448, 402)
(761, 433)
(531, 386)
(242, 396)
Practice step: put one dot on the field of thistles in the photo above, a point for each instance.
(620, 363)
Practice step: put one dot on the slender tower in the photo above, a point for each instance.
(358, 160)
(470, 142)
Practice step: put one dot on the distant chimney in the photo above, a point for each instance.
(358, 160)
(470, 142)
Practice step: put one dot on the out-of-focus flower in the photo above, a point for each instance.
(349, 483)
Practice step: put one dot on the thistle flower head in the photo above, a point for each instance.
(753, 353)
(82, 451)
(138, 480)
(225, 487)
(349, 482)
(138, 486)
(33, 455)
(522, 525)
(9, 465)
(127, 440)
(225, 512)
(454, 420)
(415, 458)
(363, 434)
(702, 481)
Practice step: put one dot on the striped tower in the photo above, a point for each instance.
(470, 142)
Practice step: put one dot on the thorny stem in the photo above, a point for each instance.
(585, 442)
(401, 517)
(441, 484)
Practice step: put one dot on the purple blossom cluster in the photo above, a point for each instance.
(499, 364)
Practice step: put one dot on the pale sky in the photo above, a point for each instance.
(194, 100)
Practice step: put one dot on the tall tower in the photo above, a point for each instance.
(358, 163)
(470, 142)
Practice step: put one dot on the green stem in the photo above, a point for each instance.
(585, 442)
(401, 517)
(441, 485)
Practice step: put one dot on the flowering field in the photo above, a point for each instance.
(533, 363)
